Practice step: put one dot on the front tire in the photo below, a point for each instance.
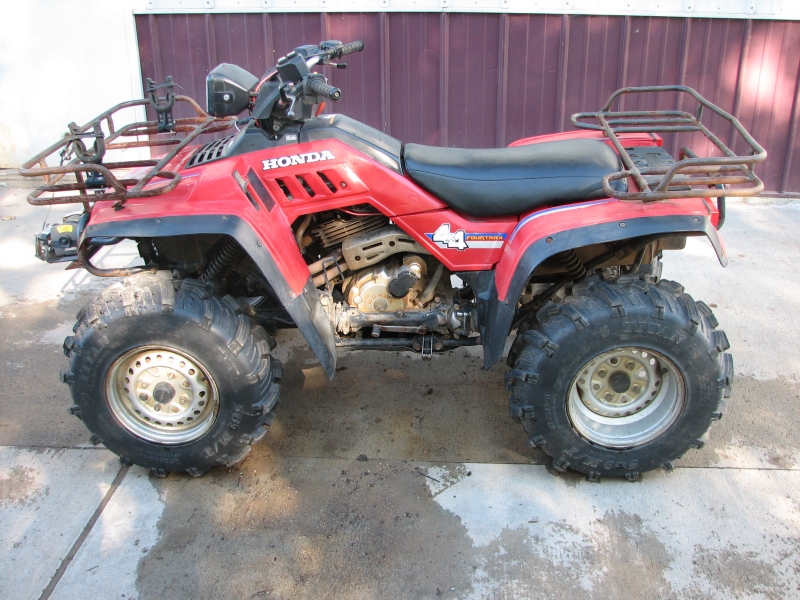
(169, 376)
(621, 377)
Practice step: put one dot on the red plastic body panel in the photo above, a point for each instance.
(548, 222)
(357, 179)
(211, 190)
(349, 178)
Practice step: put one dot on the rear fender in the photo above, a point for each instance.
(303, 306)
(535, 240)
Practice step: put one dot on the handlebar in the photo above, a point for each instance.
(343, 49)
(320, 88)
(293, 73)
(316, 83)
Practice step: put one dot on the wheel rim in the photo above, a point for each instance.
(162, 395)
(626, 397)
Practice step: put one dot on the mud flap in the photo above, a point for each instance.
(313, 323)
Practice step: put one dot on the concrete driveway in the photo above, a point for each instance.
(450, 502)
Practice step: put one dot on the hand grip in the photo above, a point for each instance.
(348, 48)
(320, 88)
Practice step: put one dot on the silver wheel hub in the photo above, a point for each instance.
(162, 395)
(625, 397)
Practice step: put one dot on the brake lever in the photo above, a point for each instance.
(328, 63)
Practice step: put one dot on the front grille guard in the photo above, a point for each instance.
(96, 180)
(691, 176)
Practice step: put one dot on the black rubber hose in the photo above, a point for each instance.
(430, 289)
(637, 261)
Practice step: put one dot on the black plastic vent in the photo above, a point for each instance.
(306, 187)
(326, 181)
(284, 189)
(211, 151)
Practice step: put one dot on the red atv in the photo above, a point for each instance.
(315, 221)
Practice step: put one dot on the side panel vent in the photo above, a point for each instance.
(211, 151)
(327, 182)
(311, 193)
(284, 189)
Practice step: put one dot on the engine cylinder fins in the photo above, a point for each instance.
(569, 259)
(221, 258)
(337, 230)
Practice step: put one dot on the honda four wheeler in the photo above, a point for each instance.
(319, 222)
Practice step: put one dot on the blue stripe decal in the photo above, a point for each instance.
(551, 211)
(501, 236)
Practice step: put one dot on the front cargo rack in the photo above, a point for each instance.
(691, 176)
(96, 180)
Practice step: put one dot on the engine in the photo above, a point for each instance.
(389, 286)
(373, 276)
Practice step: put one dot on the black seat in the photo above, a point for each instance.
(511, 181)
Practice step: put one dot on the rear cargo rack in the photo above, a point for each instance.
(96, 180)
(691, 176)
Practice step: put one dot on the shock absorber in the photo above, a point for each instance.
(223, 257)
(572, 263)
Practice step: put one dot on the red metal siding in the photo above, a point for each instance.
(480, 80)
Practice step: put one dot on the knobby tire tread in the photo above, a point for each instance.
(143, 296)
(597, 307)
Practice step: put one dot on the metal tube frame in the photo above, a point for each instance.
(711, 174)
(117, 188)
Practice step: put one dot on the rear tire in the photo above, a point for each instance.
(169, 376)
(621, 377)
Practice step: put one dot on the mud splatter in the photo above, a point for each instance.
(759, 429)
(683, 534)
(733, 573)
(294, 528)
(19, 487)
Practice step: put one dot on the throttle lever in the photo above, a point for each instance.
(287, 101)
(290, 111)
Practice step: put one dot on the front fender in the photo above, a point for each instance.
(304, 307)
(535, 246)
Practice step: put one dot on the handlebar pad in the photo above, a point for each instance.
(349, 48)
(319, 87)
